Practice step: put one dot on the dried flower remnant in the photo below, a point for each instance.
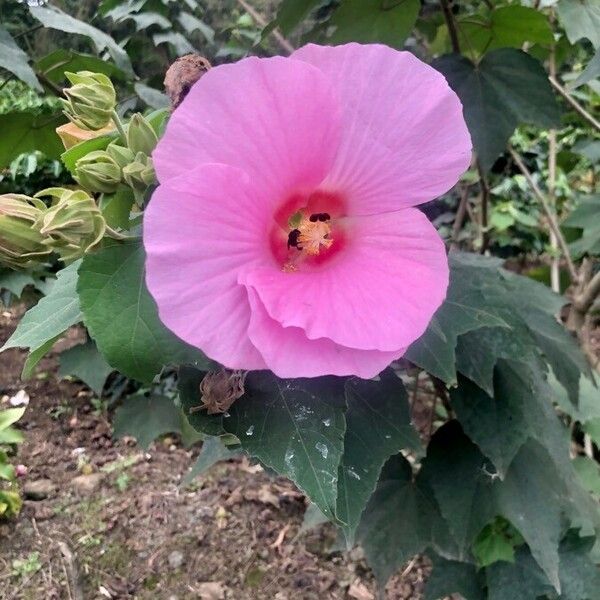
(219, 390)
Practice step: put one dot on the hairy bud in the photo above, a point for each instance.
(121, 155)
(98, 172)
(90, 101)
(140, 135)
(21, 242)
(139, 175)
(73, 224)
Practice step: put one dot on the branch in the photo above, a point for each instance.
(262, 22)
(584, 301)
(548, 212)
(584, 113)
(451, 25)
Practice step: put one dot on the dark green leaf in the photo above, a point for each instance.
(52, 315)
(454, 577)
(15, 281)
(507, 88)
(290, 14)
(122, 317)
(175, 39)
(116, 207)
(589, 473)
(54, 65)
(146, 418)
(86, 363)
(296, 427)
(25, 132)
(591, 71)
(579, 576)
(367, 21)
(463, 310)
(13, 59)
(581, 19)
(586, 216)
(153, 98)
(54, 18)
(213, 451)
(399, 520)
(377, 426)
(191, 23)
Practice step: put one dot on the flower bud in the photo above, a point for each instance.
(90, 101)
(98, 172)
(139, 175)
(140, 135)
(73, 224)
(121, 155)
(71, 135)
(21, 242)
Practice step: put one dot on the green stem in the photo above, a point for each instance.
(119, 125)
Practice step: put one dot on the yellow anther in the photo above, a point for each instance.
(314, 236)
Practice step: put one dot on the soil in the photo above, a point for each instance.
(115, 521)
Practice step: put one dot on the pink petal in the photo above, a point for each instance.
(377, 293)
(404, 140)
(201, 230)
(289, 353)
(276, 118)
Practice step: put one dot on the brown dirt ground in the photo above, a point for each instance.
(236, 529)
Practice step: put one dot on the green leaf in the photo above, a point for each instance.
(581, 19)
(377, 426)
(72, 155)
(15, 281)
(367, 21)
(213, 451)
(454, 577)
(175, 39)
(15, 60)
(116, 207)
(506, 27)
(54, 65)
(496, 541)
(589, 473)
(290, 14)
(463, 310)
(191, 23)
(122, 317)
(507, 88)
(399, 520)
(517, 411)
(521, 579)
(153, 98)
(296, 427)
(54, 18)
(86, 363)
(591, 72)
(35, 356)
(26, 132)
(145, 20)
(146, 418)
(10, 416)
(586, 216)
(11, 436)
(51, 316)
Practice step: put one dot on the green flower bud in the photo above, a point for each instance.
(139, 175)
(98, 172)
(90, 101)
(21, 242)
(140, 135)
(73, 224)
(121, 155)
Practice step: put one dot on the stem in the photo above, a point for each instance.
(554, 266)
(584, 113)
(119, 125)
(548, 212)
(451, 26)
(485, 197)
(263, 23)
(460, 217)
(584, 301)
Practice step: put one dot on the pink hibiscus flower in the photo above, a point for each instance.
(282, 235)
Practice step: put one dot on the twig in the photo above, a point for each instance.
(460, 217)
(263, 23)
(548, 212)
(554, 266)
(71, 571)
(484, 205)
(451, 25)
(584, 301)
(584, 113)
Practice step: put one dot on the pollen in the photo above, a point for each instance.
(314, 236)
